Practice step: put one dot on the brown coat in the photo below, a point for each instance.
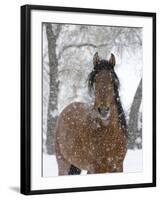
(93, 138)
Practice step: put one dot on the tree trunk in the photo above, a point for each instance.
(53, 87)
(133, 119)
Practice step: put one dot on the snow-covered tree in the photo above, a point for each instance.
(52, 32)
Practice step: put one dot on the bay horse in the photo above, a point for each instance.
(93, 137)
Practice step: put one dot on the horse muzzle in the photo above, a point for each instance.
(105, 114)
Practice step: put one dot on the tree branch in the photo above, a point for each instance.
(82, 45)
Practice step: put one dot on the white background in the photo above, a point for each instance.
(39, 182)
(10, 100)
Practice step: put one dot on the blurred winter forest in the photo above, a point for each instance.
(67, 60)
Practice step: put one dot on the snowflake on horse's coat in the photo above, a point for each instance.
(94, 138)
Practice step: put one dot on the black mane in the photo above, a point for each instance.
(104, 65)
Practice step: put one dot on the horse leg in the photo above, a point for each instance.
(120, 167)
(74, 170)
(113, 167)
(64, 167)
(117, 168)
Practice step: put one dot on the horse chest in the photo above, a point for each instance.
(89, 136)
(84, 141)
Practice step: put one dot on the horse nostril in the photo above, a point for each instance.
(107, 109)
(103, 111)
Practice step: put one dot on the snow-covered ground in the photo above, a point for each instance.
(132, 163)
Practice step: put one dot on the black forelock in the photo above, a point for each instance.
(103, 64)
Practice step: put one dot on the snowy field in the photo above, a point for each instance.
(133, 163)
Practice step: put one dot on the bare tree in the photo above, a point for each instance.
(134, 131)
(52, 35)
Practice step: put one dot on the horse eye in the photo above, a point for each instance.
(99, 110)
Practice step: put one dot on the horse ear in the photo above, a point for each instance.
(112, 60)
(96, 59)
